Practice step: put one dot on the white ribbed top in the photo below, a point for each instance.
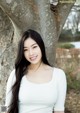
(40, 97)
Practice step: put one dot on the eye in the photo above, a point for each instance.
(25, 50)
(34, 47)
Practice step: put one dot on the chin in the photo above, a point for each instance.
(35, 62)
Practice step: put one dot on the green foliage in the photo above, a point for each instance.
(72, 83)
(66, 45)
(67, 35)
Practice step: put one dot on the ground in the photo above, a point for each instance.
(73, 102)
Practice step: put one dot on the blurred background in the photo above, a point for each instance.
(68, 57)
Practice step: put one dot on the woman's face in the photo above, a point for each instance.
(32, 51)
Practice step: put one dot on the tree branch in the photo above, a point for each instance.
(61, 11)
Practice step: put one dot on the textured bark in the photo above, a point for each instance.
(6, 48)
(17, 16)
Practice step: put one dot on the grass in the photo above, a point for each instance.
(66, 45)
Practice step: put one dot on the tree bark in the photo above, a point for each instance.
(30, 14)
(20, 15)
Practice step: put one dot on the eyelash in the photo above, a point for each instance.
(27, 49)
(34, 46)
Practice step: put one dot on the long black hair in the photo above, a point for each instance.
(21, 65)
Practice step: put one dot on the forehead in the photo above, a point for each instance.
(29, 42)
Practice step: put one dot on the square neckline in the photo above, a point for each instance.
(35, 83)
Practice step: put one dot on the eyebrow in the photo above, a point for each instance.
(31, 45)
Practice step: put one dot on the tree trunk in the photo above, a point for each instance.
(19, 15)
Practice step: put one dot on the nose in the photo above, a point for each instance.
(30, 52)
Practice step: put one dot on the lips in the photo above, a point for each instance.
(33, 58)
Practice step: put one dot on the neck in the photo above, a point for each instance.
(34, 67)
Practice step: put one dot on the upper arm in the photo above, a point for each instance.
(62, 88)
(10, 83)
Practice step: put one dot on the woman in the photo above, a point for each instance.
(34, 86)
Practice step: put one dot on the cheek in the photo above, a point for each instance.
(25, 55)
(41, 55)
(39, 52)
